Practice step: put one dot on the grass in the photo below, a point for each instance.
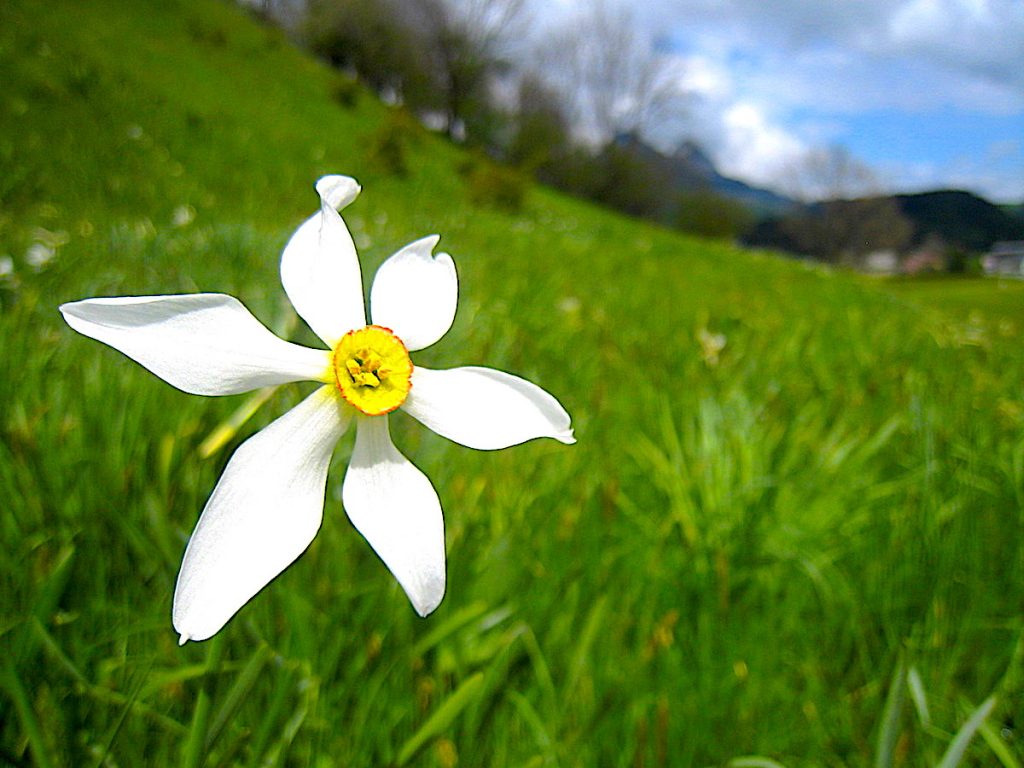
(977, 300)
(747, 556)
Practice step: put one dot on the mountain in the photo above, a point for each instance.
(959, 218)
(945, 220)
(761, 201)
(689, 169)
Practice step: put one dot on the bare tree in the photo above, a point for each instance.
(830, 173)
(610, 72)
(435, 56)
(541, 138)
(466, 42)
(378, 41)
(848, 215)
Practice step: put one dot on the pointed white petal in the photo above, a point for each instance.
(396, 509)
(484, 408)
(415, 294)
(320, 269)
(203, 343)
(264, 512)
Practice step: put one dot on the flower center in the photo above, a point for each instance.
(372, 370)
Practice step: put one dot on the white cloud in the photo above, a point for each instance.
(754, 148)
(741, 136)
(963, 53)
(703, 76)
(977, 38)
(772, 78)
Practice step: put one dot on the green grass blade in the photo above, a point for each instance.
(541, 669)
(449, 627)
(194, 750)
(119, 723)
(889, 730)
(29, 721)
(225, 432)
(237, 693)
(495, 680)
(56, 582)
(442, 718)
(536, 724)
(754, 761)
(581, 654)
(919, 697)
(309, 694)
(963, 737)
(998, 746)
(272, 714)
(98, 692)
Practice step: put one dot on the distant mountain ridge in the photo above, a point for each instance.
(689, 169)
(939, 222)
(950, 219)
(759, 199)
(959, 218)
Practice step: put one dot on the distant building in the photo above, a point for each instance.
(929, 257)
(1005, 259)
(882, 262)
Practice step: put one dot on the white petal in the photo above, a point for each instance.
(397, 510)
(415, 294)
(264, 512)
(203, 343)
(320, 269)
(484, 408)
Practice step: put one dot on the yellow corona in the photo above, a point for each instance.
(372, 370)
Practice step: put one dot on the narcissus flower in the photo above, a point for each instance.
(268, 504)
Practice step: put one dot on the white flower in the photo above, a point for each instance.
(39, 255)
(268, 504)
(183, 216)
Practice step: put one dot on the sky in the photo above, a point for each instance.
(928, 93)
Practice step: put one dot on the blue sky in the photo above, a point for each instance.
(928, 93)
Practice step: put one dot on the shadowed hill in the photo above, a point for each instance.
(959, 218)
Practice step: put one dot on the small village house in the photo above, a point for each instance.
(1005, 259)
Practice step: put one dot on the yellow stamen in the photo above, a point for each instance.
(372, 370)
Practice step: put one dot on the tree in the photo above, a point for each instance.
(379, 42)
(541, 138)
(845, 230)
(709, 214)
(465, 42)
(830, 173)
(610, 73)
(632, 182)
(434, 56)
(851, 217)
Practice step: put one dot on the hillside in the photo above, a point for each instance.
(689, 169)
(947, 221)
(795, 495)
(108, 113)
(959, 218)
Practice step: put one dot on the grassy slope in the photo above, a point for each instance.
(974, 300)
(729, 562)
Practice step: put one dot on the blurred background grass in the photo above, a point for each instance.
(795, 493)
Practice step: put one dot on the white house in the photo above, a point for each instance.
(1005, 259)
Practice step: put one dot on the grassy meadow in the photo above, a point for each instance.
(791, 531)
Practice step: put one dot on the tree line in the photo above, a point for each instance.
(573, 106)
(553, 105)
